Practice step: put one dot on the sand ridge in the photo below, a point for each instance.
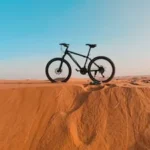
(39, 115)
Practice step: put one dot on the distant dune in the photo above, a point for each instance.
(39, 115)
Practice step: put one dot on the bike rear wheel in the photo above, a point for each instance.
(56, 74)
(102, 66)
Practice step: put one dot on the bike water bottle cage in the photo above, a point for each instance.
(64, 44)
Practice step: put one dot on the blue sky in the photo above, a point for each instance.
(31, 30)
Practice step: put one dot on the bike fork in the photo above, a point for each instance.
(59, 70)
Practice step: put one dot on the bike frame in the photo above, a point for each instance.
(68, 52)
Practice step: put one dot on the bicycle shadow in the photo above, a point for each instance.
(59, 79)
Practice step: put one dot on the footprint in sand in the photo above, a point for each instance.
(146, 81)
(134, 82)
(92, 88)
(111, 85)
(80, 139)
(74, 134)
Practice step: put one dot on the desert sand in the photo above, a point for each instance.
(39, 115)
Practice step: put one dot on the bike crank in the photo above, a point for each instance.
(83, 71)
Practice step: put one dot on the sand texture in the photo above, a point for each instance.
(39, 115)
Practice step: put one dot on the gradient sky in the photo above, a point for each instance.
(31, 30)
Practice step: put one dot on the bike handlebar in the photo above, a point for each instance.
(64, 44)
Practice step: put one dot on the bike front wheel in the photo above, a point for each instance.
(101, 69)
(55, 73)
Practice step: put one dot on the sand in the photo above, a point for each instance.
(39, 115)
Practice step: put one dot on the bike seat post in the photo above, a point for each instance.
(89, 52)
(87, 56)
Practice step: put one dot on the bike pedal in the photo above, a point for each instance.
(77, 70)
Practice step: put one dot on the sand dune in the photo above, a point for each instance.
(38, 115)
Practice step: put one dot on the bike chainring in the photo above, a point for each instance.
(83, 71)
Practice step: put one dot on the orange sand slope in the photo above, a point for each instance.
(38, 115)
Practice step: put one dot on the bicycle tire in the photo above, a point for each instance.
(107, 59)
(58, 59)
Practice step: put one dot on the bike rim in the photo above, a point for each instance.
(56, 73)
(103, 69)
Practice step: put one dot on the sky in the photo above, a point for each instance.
(31, 30)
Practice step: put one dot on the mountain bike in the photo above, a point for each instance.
(60, 66)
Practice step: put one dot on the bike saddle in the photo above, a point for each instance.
(64, 44)
(91, 45)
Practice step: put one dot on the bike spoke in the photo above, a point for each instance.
(58, 71)
(103, 72)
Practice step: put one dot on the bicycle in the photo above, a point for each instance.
(64, 67)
